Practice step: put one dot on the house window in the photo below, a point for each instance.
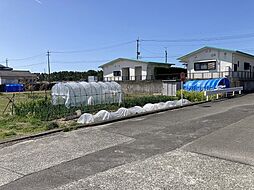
(238, 64)
(117, 73)
(235, 67)
(246, 66)
(211, 65)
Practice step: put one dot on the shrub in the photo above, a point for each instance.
(192, 96)
(141, 101)
(44, 110)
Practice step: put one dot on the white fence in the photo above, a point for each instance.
(223, 91)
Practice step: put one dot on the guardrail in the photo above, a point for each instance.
(223, 91)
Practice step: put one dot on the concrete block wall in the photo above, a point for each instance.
(248, 85)
(141, 87)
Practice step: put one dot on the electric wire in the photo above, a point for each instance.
(26, 58)
(95, 49)
(220, 38)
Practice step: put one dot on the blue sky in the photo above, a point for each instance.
(31, 27)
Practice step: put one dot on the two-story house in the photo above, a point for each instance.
(210, 62)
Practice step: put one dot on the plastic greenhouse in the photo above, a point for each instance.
(72, 94)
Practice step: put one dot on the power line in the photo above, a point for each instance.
(35, 64)
(247, 49)
(152, 57)
(191, 45)
(149, 51)
(95, 49)
(220, 38)
(82, 61)
(22, 59)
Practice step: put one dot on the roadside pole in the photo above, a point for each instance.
(181, 93)
(182, 77)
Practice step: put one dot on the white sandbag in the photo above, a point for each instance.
(185, 102)
(160, 105)
(150, 107)
(136, 110)
(169, 104)
(86, 118)
(121, 112)
(102, 115)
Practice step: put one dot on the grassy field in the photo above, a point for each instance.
(34, 113)
(18, 97)
(11, 125)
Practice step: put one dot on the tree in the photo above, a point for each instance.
(70, 75)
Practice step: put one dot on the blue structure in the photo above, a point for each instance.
(14, 88)
(209, 84)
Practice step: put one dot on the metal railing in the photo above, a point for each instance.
(128, 78)
(245, 75)
(222, 91)
(144, 77)
(241, 75)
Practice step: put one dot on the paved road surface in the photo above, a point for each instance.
(208, 146)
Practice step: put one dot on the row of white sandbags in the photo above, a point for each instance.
(104, 115)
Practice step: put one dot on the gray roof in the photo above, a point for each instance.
(18, 74)
(138, 61)
(207, 47)
(2, 67)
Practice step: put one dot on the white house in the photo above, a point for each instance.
(128, 69)
(210, 62)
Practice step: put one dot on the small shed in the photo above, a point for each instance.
(170, 87)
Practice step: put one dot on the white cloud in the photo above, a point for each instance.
(38, 1)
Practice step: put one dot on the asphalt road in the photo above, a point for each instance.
(207, 146)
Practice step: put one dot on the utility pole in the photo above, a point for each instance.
(6, 62)
(166, 55)
(48, 54)
(138, 52)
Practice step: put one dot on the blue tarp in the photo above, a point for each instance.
(210, 84)
(14, 88)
